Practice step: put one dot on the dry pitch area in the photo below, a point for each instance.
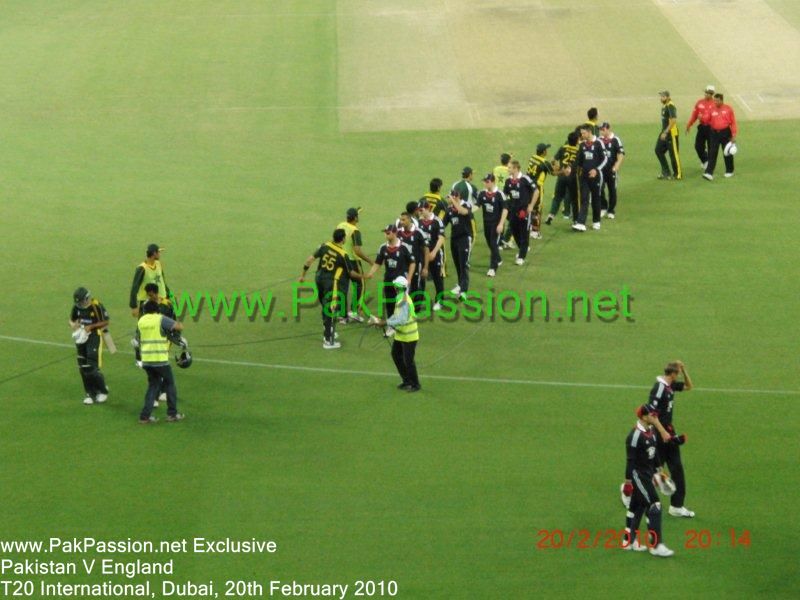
(453, 64)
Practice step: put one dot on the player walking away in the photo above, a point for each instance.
(150, 271)
(519, 190)
(667, 142)
(589, 161)
(565, 188)
(642, 462)
(432, 229)
(353, 247)
(500, 172)
(434, 197)
(152, 330)
(397, 260)
(331, 269)
(538, 170)
(615, 154)
(411, 236)
(88, 319)
(466, 191)
(406, 335)
(591, 120)
(702, 114)
(459, 217)
(723, 129)
(662, 397)
(491, 200)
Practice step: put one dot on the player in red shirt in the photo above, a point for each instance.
(702, 114)
(723, 130)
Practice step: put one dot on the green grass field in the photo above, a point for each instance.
(213, 129)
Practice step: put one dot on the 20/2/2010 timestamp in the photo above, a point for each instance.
(701, 539)
(362, 588)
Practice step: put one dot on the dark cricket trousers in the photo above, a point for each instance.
(155, 375)
(590, 193)
(520, 226)
(610, 183)
(459, 250)
(670, 455)
(493, 242)
(352, 302)
(403, 356)
(702, 141)
(326, 298)
(644, 501)
(560, 194)
(388, 298)
(435, 273)
(669, 146)
(715, 147)
(89, 366)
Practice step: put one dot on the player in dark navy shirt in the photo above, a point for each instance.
(589, 162)
(662, 396)
(432, 229)
(412, 238)
(493, 203)
(397, 260)
(459, 217)
(518, 191)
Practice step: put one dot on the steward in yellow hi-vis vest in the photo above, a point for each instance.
(151, 334)
(403, 323)
(150, 271)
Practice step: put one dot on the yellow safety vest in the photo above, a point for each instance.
(154, 345)
(410, 331)
(155, 275)
(349, 228)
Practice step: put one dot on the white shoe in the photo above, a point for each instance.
(354, 316)
(335, 335)
(635, 546)
(155, 404)
(681, 511)
(566, 217)
(519, 261)
(326, 345)
(728, 174)
(88, 400)
(708, 176)
(491, 273)
(596, 226)
(456, 290)
(611, 216)
(101, 398)
(579, 227)
(343, 321)
(661, 550)
(603, 213)
(437, 306)
(536, 235)
(162, 396)
(704, 165)
(626, 500)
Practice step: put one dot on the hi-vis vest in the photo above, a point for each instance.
(152, 275)
(410, 331)
(154, 346)
(349, 228)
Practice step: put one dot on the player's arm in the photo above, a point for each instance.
(665, 435)
(375, 265)
(307, 264)
(734, 127)
(138, 278)
(168, 324)
(412, 266)
(692, 118)
(620, 157)
(533, 189)
(360, 254)
(687, 381)
(457, 205)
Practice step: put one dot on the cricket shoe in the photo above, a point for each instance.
(162, 397)
(101, 398)
(148, 421)
(603, 213)
(567, 216)
(596, 226)
(708, 176)
(681, 511)
(611, 216)
(491, 273)
(729, 175)
(456, 290)
(328, 345)
(175, 418)
(664, 176)
(413, 388)
(335, 335)
(155, 403)
(549, 219)
(437, 306)
(519, 261)
(536, 235)
(635, 546)
(578, 227)
(354, 316)
(88, 400)
(662, 551)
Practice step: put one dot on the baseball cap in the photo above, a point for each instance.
(466, 172)
(710, 88)
(647, 409)
(390, 227)
(542, 147)
(488, 177)
(605, 125)
(400, 282)
(664, 93)
(352, 213)
(153, 248)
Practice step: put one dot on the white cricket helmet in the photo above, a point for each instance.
(730, 149)
(400, 282)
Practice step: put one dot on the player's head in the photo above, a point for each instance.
(586, 131)
(513, 167)
(435, 185)
(151, 289)
(592, 113)
(488, 181)
(573, 137)
(664, 94)
(391, 232)
(400, 282)
(424, 207)
(339, 235)
(412, 207)
(505, 157)
(466, 173)
(671, 371)
(647, 413)
(605, 128)
(153, 251)
(352, 215)
(541, 149)
(718, 98)
(150, 307)
(405, 220)
(82, 297)
(709, 91)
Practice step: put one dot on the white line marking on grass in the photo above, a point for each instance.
(759, 98)
(462, 378)
(745, 104)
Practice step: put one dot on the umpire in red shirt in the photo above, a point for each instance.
(702, 114)
(722, 122)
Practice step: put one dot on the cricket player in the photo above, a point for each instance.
(667, 142)
(88, 319)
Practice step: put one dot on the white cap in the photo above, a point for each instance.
(401, 282)
(711, 88)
